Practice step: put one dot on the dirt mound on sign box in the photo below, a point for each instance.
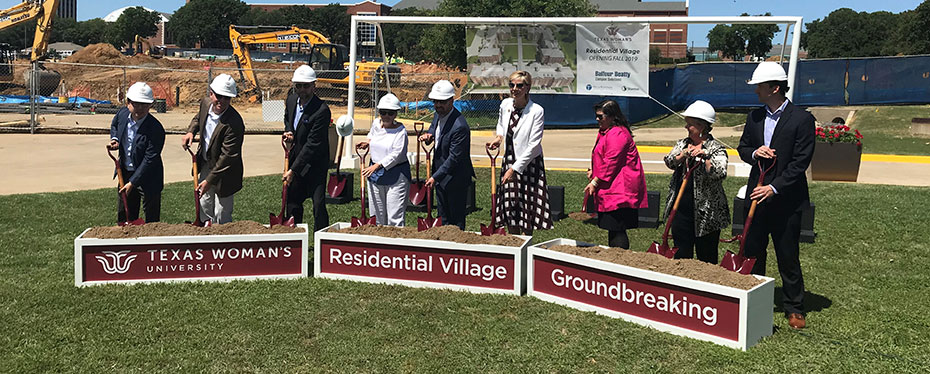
(685, 268)
(173, 229)
(444, 233)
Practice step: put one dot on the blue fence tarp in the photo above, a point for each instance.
(898, 80)
(24, 99)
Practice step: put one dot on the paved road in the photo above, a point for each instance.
(63, 162)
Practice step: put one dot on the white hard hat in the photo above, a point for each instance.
(389, 102)
(344, 125)
(141, 93)
(768, 71)
(701, 110)
(442, 90)
(304, 74)
(224, 85)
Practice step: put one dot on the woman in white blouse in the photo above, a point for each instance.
(524, 202)
(388, 172)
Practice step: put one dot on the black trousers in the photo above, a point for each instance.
(683, 234)
(451, 202)
(785, 230)
(151, 203)
(299, 190)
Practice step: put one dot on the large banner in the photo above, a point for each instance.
(591, 59)
(613, 59)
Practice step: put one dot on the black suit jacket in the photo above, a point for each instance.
(146, 150)
(452, 159)
(222, 161)
(793, 142)
(310, 155)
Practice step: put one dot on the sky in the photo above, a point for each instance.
(809, 9)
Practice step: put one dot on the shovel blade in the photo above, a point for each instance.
(273, 220)
(740, 264)
(424, 224)
(137, 222)
(662, 249)
(490, 230)
(356, 222)
(417, 193)
(335, 185)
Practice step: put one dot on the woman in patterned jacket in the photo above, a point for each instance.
(703, 210)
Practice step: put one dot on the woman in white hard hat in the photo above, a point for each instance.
(524, 202)
(618, 185)
(389, 171)
(702, 211)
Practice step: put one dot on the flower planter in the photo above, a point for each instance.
(190, 258)
(419, 262)
(724, 315)
(836, 162)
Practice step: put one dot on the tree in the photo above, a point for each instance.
(446, 43)
(918, 31)
(206, 22)
(847, 33)
(333, 22)
(134, 21)
(722, 38)
(404, 39)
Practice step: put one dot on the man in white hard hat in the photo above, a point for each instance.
(219, 156)
(782, 133)
(452, 168)
(306, 127)
(139, 137)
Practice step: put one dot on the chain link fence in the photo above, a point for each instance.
(77, 97)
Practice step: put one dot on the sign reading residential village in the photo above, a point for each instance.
(613, 59)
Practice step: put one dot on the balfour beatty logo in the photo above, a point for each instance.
(116, 262)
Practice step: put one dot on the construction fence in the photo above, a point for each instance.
(61, 96)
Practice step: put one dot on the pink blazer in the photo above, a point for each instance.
(615, 162)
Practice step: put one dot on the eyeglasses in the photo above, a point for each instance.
(303, 85)
(442, 101)
(517, 85)
(599, 116)
(386, 112)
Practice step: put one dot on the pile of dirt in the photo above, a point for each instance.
(685, 268)
(444, 233)
(100, 53)
(174, 229)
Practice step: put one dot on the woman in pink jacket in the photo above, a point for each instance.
(618, 184)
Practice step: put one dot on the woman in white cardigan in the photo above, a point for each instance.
(524, 202)
(389, 171)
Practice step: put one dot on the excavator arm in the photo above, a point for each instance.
(240, 43)
(43, 12)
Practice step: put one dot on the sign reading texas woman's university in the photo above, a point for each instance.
(613, 59)
(177, 258)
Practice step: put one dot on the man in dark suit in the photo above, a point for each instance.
(783, 132)
(451, 166)
(306, 126)
(219, 156)
(139, 137)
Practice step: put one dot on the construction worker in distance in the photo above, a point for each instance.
(306, 127)
(140, 138)
(219, 156)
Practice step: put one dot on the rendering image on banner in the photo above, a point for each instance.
(613, 59)
(545, 51)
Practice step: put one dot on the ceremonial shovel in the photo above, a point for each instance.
(429, 221)
(365, 218)
(336, 181)
(280, 219)
(122, 195)
(739, 262)
(663, 249)
(493, 229)
(417, 186)
(197, 222)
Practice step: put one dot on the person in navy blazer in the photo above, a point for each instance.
(451, 169)
(306, 126)
(140, 138)
(783, 132)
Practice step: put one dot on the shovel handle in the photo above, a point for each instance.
(119, 170)
(418, 129)
(194, 165)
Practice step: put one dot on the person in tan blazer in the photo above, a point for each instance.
(219, 156)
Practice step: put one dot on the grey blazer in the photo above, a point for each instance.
(711, 211)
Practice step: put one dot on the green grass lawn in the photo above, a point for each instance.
(866, 276)
(724, 119)
(886, 129)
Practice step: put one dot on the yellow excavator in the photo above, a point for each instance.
(142, 46)
(331, 61)
(43, 11)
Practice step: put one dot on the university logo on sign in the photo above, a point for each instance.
(116, 262)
